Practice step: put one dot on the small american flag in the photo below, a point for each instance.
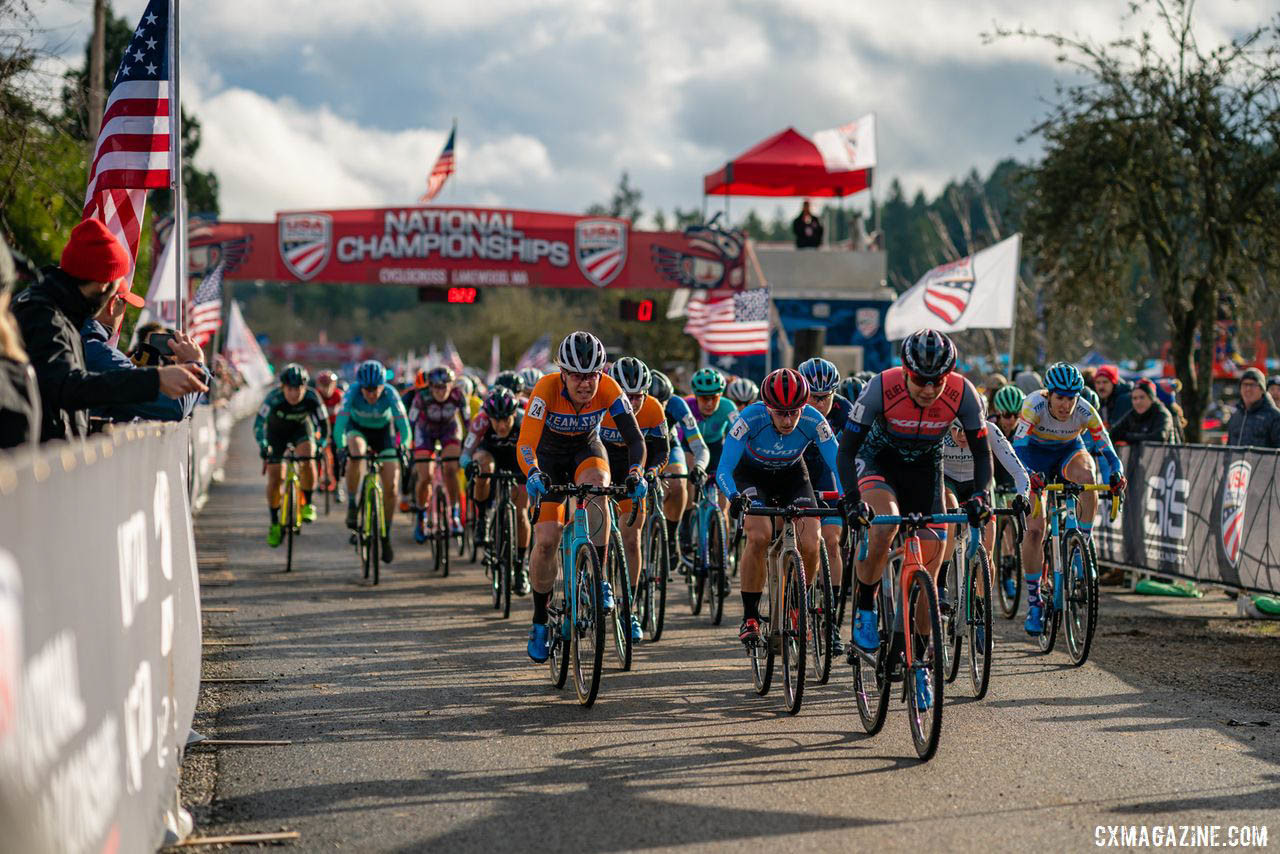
(442, 170)
(206, 308)
(537, 356)
(132, 154)
(733, 324)
(452, 359)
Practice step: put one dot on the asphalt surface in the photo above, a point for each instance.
(417, 722)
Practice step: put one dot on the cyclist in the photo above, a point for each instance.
(372, 418)
(292, 415)
(891, 463)
(530, 377)
(742, 392)
(711, 410)
(763, 464)
(850, 388)
(512, 381)
(824, 378)
(560, 443)
(491, 446)
(1006, 406)
(633, 376)
(439, 416)
(1056, 432)
(680, 425)
(330, 391)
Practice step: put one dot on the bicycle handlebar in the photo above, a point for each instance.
(564, 492)
(792, 511)
(1072, 488)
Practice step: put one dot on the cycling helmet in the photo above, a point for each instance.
(326, 377)
(660, 387)
(1009, 398)
(420, 379)
(1091, 396)
(707, 381)
(440, 374)
(632, 374)
(467, 385)
(928, 354)
(784, 389)
(500, 403)
(1063, 378)
(509, 380)
(823, 376)
(581, 353)
(865, 376)
(531, 377)
(742, 391)
(851, 388)
(371, 374)
(293, 375)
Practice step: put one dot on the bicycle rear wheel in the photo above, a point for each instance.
(1008, 559)
(1079, 596)
(794, 631)
(761, 652)
(952, 634)
(441, 531)
(717, 581)
(977, 597)
(1051, 615)
(655, 576)
(619, 582)
(821, 611)
(925, 724)
(588, 628)
(290, 514)
(871, 680)
(557, 614)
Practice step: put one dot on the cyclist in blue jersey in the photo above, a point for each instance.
(711, 409)
(372, 417)
(681, 426)
(824, 378)
(764, 451)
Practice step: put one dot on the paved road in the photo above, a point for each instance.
(417, 722)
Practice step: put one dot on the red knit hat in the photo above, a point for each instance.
(1109, 372)
(94, 254)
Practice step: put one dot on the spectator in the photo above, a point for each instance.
(1090, 373)
(1273, 388)
(993, 383)
(807, 228)
(1028, 381)
(1148, 421)
(1113, 392)
(100, 357)
(19, 399)
(50, 314)
(1256, 420)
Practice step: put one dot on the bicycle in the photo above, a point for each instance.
(435, 519)
(500, 550)
(291, 509)
(324, 478)
(371, 515)
(1073, 595)
(650, 598)
(575, 618)
(820, 601)
(706, 550)
(784, 600)
(904, 650)
(1008, 558)
(617, 573)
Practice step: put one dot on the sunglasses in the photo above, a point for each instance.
(785, 413)
(821, 398)
(926, 381)
(581, 378)
(1006, 415)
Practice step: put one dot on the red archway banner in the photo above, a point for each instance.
(475, 247)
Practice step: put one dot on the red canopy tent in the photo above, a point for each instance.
(785, 164)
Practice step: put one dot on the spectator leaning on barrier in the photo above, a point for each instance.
(1149, 421)
(100, 357)
(50, 313)
(1113, 392)
(1256, 420)
(19, 399)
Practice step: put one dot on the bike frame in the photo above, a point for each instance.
(1060, 517)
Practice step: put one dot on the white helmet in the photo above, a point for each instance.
(581, 353)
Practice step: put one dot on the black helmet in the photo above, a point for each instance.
(928, 354)
(851, 387)
(510, 380)
(632, 374)
(660, 387)
(500, 403)
(293, 375)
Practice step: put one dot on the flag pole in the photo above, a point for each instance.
(175, 170)
(1013, 325)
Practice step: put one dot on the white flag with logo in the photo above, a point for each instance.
(849, 147)
(974, 292)
(242, 350)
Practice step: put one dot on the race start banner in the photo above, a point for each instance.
(470, 247)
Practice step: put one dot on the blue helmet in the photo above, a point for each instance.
(823, 376)
(1063, 378)
(852, 387)
(371, 374)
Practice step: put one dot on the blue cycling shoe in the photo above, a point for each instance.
(1035, 619)
(606, 597)
(420, 530)
(866, 632)
(1010, 588)
(924, 692)
(539, 647)
(637, 633)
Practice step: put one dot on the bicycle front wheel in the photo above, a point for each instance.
(376, 525)
(821, 610)
(977, 597)
(717, 561)
(925, 720)
(655, 576)
(441, 530)
(794, 631)
(619, 582)
(1079, 596)
(588, 625)
(506, 567)
(290, 517)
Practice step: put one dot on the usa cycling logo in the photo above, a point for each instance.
(305, 241)
(600, 246)
(947, 289)
(1235, 489)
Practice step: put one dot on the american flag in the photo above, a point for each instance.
(132, 154)
(734, 324)
(537, 356)
(452, 359)
(205, 316)
(442, 170)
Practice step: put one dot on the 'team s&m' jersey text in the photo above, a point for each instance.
(684, 426)
(359, 414)
(715, 425)
(1039, 429)
(957, 461)
(652, 421)
(754, 439)
(554, 422)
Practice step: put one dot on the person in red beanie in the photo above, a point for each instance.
(50, 314)
(1113, 392)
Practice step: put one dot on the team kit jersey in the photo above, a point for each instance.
(482, 437)
(437, 420)
(1046, 444)
(280, 423)
(714, 426)
(384, 424)
(684, 432)
(957, 463)
(652, 421)
(824, 477)
(757, 456)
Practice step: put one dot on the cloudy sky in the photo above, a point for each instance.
(334, 103)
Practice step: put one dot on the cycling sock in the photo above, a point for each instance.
(671, 531)
(942, 578)
(351, 500)
(866, 596)
(306, 496)
(600, 555)
(540, 607)
(520, 556)
(750, 605)
(1033, 589)
(275, 515)
(1086, 527)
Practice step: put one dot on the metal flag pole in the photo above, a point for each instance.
(175, 170)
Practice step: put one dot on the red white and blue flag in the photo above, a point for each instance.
(442, 170)
(205, 317)
(537, 356)
(132, 154)
(733, 324)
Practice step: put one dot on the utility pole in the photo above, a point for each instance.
(97, 86)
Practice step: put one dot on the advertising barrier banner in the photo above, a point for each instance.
(99, 640)
(1205, 512)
